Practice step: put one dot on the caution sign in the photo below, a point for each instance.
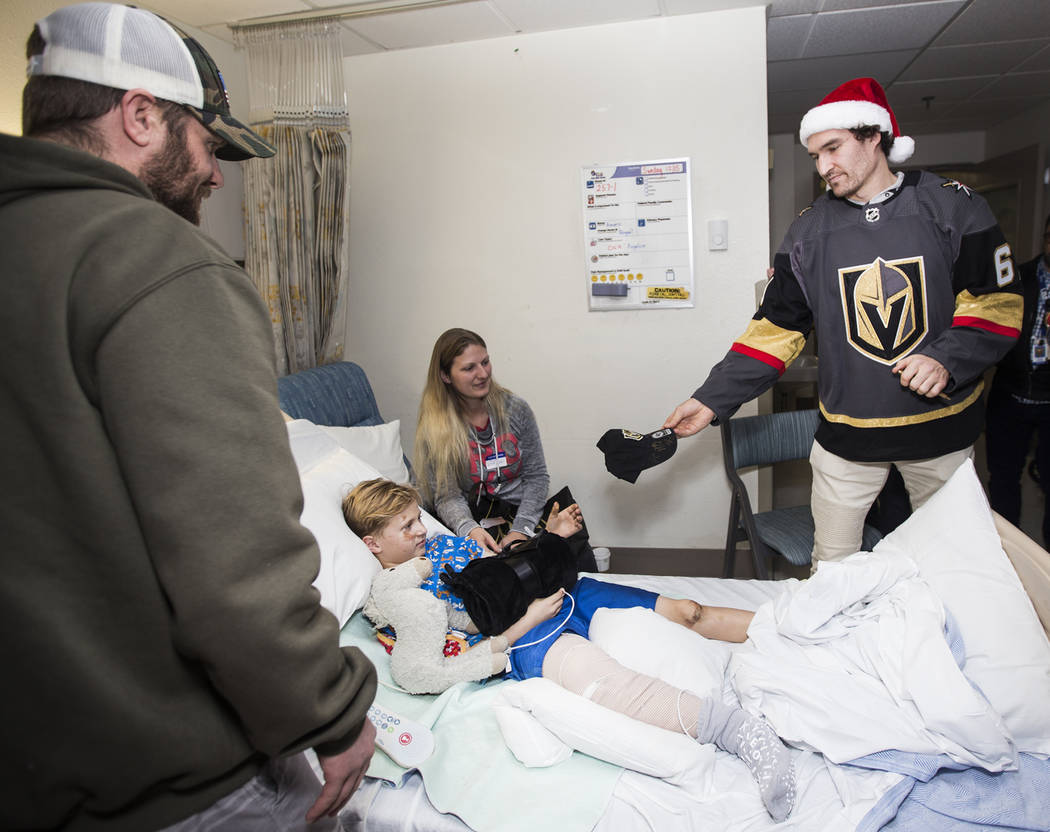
(667, 293)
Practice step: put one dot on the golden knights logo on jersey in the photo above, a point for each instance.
(884, 304)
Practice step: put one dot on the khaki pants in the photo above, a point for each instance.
(843, 492)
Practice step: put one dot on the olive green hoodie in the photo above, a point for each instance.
(161, 637)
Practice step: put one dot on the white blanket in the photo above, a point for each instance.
(854, 661)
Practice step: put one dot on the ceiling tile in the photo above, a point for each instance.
(530, 16)
(201, 13)
(431, 27)
(676, 7)
(786, 36)
(370, 6)
(912, 109)
(842, 5)
(1018, 85)
(827, 73)
(778, 8)
(959, 61)
(955, 89)
(906, 27)
(996, 20)
(1040, 60)
(218, 30)
(910, 116)
(353, 44)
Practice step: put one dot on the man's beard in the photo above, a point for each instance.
(170, 176)
(849, 187)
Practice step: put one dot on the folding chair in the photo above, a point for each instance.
(750, 441)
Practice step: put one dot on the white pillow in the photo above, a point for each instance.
(347, 566)
(378, 445)
(953, 540)
(309, 443)
(648, 643)
(327, 473)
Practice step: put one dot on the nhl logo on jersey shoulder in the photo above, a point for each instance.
(959, 186)
(630, 434)
(871, 214)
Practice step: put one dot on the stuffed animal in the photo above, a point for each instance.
(417, 662)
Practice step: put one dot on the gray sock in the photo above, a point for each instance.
(755, 742)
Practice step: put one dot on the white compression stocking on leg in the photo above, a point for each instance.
(755, 742)
(585, 669)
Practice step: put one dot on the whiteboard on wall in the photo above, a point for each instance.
(638, 235)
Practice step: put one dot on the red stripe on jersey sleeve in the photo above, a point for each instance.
(982, 323)
(758, 355)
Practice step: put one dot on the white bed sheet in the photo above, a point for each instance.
(829, 799)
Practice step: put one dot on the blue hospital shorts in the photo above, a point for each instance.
(590, 595)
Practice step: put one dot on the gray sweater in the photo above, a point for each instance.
(523, 481)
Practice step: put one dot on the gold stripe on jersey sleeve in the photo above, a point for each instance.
(903, 421)
(1001, 308)
(765, 336)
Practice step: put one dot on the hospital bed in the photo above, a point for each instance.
(515, 755)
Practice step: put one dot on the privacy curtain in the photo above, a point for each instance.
(297, 203)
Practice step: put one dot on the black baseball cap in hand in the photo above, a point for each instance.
(628, 453)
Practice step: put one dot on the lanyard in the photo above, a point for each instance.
(497, 455)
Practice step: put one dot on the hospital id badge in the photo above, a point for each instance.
(493, 462)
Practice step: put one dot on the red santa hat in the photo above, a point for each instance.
(858, 103)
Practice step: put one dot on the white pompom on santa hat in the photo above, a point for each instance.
(858, 103)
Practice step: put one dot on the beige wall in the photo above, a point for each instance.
(466, 211)
(15, 25)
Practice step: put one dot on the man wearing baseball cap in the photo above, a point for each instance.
(166, 658)
(909, 286)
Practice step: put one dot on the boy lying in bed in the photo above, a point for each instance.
(553, 636)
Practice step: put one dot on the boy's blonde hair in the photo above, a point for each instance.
(371, 503)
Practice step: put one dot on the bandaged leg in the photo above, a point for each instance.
(585, 669)
(755, 742)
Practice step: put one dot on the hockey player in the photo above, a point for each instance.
(908, 284)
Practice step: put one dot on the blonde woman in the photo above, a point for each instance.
(478, 454)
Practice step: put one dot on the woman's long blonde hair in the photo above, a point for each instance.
(442, 432)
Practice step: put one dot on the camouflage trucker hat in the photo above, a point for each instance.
(129, 48)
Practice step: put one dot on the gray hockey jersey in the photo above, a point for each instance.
(925, 271)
